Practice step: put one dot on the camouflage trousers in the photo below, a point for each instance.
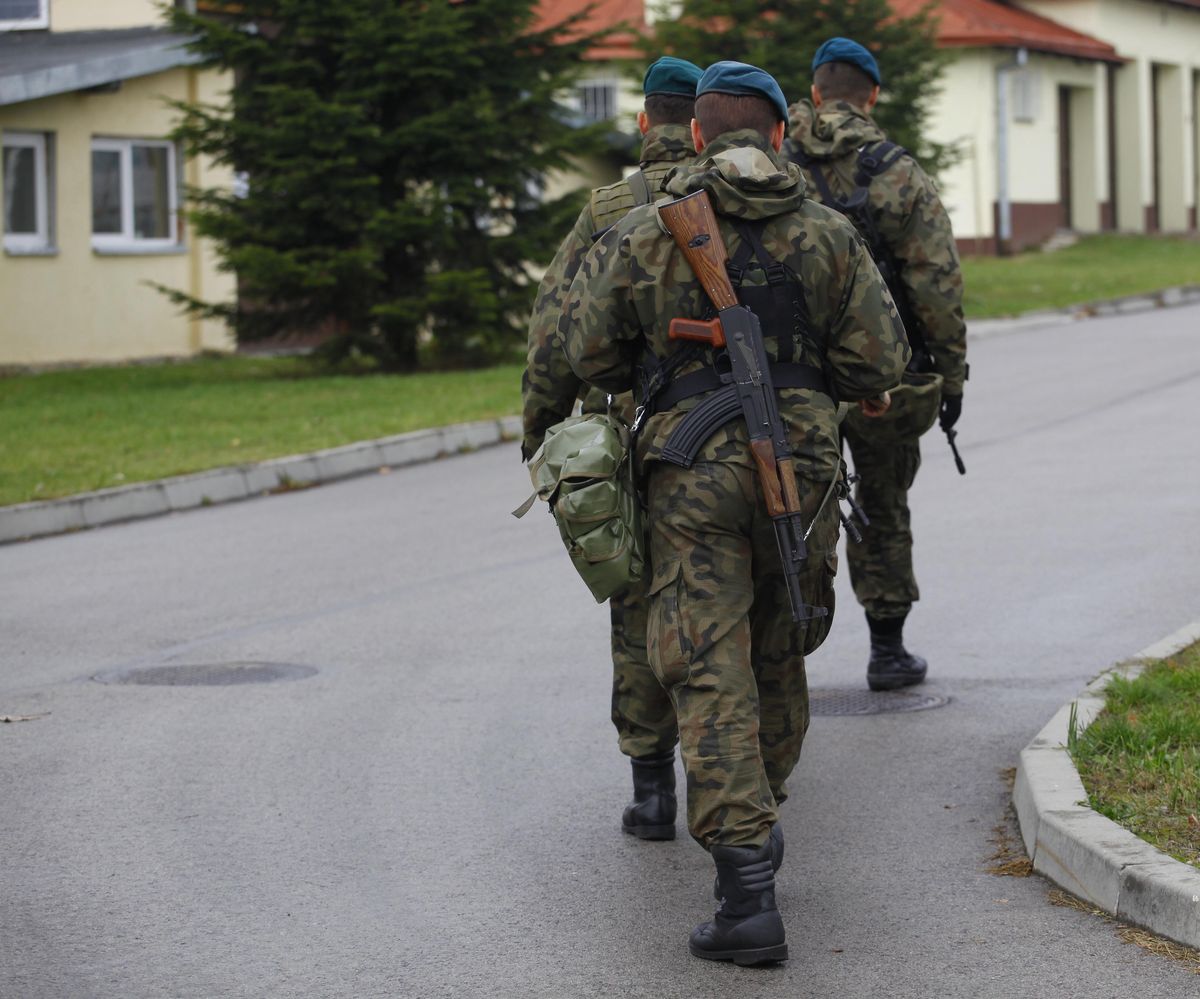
(722, 641)
(881, 566)
(641, 709)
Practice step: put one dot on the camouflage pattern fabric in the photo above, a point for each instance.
(911, 219)
(913, 224)
(549, 387)
(720, 635)
(881, 565)
(722, 641)
(641, 710)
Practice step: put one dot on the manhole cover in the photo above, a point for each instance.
(847, 701)
(208, 674)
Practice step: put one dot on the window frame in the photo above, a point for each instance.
(29, 23)
(127, 239)
(613, 97)
(26, 242)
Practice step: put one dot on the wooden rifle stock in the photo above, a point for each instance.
(693, 226)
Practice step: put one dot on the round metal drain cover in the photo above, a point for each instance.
(848, 701)
(209, 674)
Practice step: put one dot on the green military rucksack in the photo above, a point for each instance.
(584, 471)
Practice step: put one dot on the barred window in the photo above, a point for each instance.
(598, 100)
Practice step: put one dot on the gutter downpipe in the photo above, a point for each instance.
(1003, 201)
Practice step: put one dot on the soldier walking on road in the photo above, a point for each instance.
(721, 634)
(851, 166)
(641, 709)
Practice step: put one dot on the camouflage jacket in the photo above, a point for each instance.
(911, 221)
(549, 387)
(634, 281)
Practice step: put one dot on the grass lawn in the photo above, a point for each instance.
(72, 431)
(1095, 268)
(1140, 759)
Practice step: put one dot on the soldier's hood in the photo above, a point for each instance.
(667, 143)
(831, 131)
(743, 176)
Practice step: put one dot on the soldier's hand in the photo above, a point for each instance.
(877, 406)
(951, 410)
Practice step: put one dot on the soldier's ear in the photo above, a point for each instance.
(873, 98)
(777, 135)
(816, 96)
(697, 136)
(643, 121)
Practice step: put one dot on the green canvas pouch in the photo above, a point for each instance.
(584, 472)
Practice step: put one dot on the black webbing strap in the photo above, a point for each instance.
(723, 405)
(777, 282)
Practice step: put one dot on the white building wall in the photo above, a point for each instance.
(1147, 32)
(964, 116)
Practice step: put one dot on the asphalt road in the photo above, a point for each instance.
(435, 812)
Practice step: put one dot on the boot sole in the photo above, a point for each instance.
(650, 832)
(892, 683)
(743, 958)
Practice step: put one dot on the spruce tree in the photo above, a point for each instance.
(393, 152)
(781, 36)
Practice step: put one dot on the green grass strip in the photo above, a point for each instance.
(71, 431)
(1094, 269)
(1140, 758)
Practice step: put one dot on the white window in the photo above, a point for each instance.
(598, 99)
(24, 14)
(135, 194)
(26, 179)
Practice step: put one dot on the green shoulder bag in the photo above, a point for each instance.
(584, 471)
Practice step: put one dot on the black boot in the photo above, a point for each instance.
(892, 666)
(775, 843)
(651, 814)
(747, 929)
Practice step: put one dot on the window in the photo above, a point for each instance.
(598, 100)
(26, 179)
(134, 194)
(24, 14)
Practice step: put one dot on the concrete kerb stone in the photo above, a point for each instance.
(221, 485)
(1085, 853)
(1165, 299)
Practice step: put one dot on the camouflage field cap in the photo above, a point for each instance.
(913, 411)
(847, 50)
(669, 75)
(742, 79)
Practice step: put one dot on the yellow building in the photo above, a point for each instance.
(93, 187)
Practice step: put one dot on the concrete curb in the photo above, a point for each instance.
(1167, 298)
(1087, 854)
(222, 485)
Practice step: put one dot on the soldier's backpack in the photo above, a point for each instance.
(584, 471)
(913, 412)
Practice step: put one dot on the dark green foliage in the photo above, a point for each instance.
(781, 37)
(394, 151)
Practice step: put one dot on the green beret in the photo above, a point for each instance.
(845, 50)
(669, 75)
(740, 79)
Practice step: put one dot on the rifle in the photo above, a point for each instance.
(693, 226)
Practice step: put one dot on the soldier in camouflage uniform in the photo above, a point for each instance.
(721, 636)
(828, 138)
(641, 709)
